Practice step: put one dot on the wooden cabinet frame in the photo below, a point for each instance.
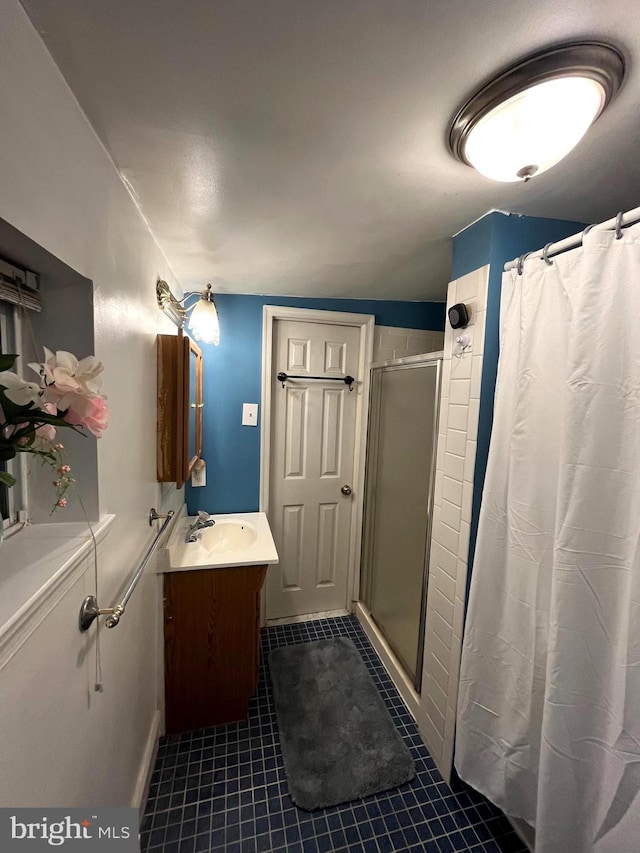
(176, 407)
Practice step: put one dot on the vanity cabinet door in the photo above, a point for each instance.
(211, 645)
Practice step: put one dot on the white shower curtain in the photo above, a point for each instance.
(549, 702)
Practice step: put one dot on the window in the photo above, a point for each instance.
(59, 315)
(12, 500)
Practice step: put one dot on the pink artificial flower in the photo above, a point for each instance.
(96, 419)
(69, 383)
(47, 432)
(17, 390)
(61, 502)
(65, 400)
(65, 371)
(11, 429)
(78, 404)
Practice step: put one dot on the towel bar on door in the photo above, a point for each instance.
(348, 380)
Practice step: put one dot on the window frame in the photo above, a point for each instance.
(14, 500)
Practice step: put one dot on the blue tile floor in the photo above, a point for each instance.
(225, 789)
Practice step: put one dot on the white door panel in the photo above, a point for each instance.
(312, 457)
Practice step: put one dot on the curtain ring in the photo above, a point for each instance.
(545, 255)
(586, 231)
(619, 225)
(521, 260)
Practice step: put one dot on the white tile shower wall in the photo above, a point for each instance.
(457, 437)
(390, 342)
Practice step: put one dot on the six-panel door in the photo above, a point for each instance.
(312, 459)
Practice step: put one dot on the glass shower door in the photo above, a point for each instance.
(400, 473)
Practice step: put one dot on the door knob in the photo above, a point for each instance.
(346, 490)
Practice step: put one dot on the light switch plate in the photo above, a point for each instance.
(249, 414)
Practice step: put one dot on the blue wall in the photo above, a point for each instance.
(232, 376)
(496, 239)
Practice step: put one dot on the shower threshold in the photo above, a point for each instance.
(397, 672)
(307, 617)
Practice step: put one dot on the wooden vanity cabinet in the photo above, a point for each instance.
(211, 645)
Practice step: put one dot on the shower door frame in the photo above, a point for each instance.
(373, 435)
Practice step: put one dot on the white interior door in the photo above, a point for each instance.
(312, 459)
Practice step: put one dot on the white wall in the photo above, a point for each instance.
(457, 438)
(62, 743)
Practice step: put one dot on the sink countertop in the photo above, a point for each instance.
(180, 556)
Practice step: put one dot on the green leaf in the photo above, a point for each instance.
(30, 415)
(7, 360)
(6, 479)
(45, 455)
(11, 409)
(33, 416)
(7, 451)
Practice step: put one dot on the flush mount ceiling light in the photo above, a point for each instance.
(202, 315)
(530, 116)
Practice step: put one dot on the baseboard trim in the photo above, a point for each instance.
(141, 791)
(390, 662)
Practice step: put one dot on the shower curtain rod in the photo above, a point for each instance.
(573, 242)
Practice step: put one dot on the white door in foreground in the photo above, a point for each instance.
(311, 466)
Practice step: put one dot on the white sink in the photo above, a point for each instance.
(237, 539)
(232, 534)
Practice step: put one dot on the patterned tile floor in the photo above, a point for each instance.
(224, 788)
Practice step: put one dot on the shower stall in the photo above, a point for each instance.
(400, 474)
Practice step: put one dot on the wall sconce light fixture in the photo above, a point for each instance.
(202, 315)
(534, 113)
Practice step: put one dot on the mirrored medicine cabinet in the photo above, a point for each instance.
(180, 407)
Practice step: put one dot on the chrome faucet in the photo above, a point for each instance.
(203, 520)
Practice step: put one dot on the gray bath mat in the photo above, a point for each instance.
(338, 740)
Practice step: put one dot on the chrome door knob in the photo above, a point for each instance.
(346, 490)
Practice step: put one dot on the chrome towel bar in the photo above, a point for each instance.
(90, 610)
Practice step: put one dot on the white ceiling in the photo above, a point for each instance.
(298, 147)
